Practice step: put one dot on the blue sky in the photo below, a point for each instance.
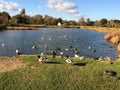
(66, 9)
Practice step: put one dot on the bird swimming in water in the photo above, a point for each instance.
(3, 44)
(90, 48)
(67, 49)
(17, 52)
(34, 47)
(46, 46)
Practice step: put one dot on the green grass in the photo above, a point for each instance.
(57, 75)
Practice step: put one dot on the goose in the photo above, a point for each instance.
(68, 60)
(41, 59)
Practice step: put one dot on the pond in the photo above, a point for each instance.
(65, 38)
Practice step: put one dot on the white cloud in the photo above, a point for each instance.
(64, 6)
(8, 6)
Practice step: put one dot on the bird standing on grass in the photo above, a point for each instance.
(41, 59)
(53, 52)
(61, 53)
(68, 60)
(111, 73)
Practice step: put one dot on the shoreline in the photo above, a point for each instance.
(112, 34)
(101, 29)
(21, 28)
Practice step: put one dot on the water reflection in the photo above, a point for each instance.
(55, 38)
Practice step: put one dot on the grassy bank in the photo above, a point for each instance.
(113, 34)
(101, 29)
(87, 74)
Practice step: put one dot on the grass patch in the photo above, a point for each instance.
(57, 75)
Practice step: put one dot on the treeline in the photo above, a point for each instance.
(22, 18)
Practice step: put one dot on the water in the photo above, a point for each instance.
(10, 40)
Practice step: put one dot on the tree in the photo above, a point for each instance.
(4, 18)
(89, 22)
(18, 19)
(82, 22)
(38, 19)
(22, 13)
(103, 22)
(97, 23)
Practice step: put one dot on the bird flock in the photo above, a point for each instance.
(58, 51)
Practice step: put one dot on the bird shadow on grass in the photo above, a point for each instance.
(53, 62)
(80, 64)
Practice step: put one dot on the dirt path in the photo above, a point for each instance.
(10, 63)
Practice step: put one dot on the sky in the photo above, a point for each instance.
(65, 9)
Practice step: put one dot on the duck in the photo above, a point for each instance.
(41, 59)
(76, 55)
(58, 49)
(68, 60)
(17, 52)
(92, 50)
(67, 49)
(111, 73)
(89, 47)
(34, 47)
(82, 57)
(3, 44)
(75, 51)
(46, 46)
(53, 52)
(61, 53)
